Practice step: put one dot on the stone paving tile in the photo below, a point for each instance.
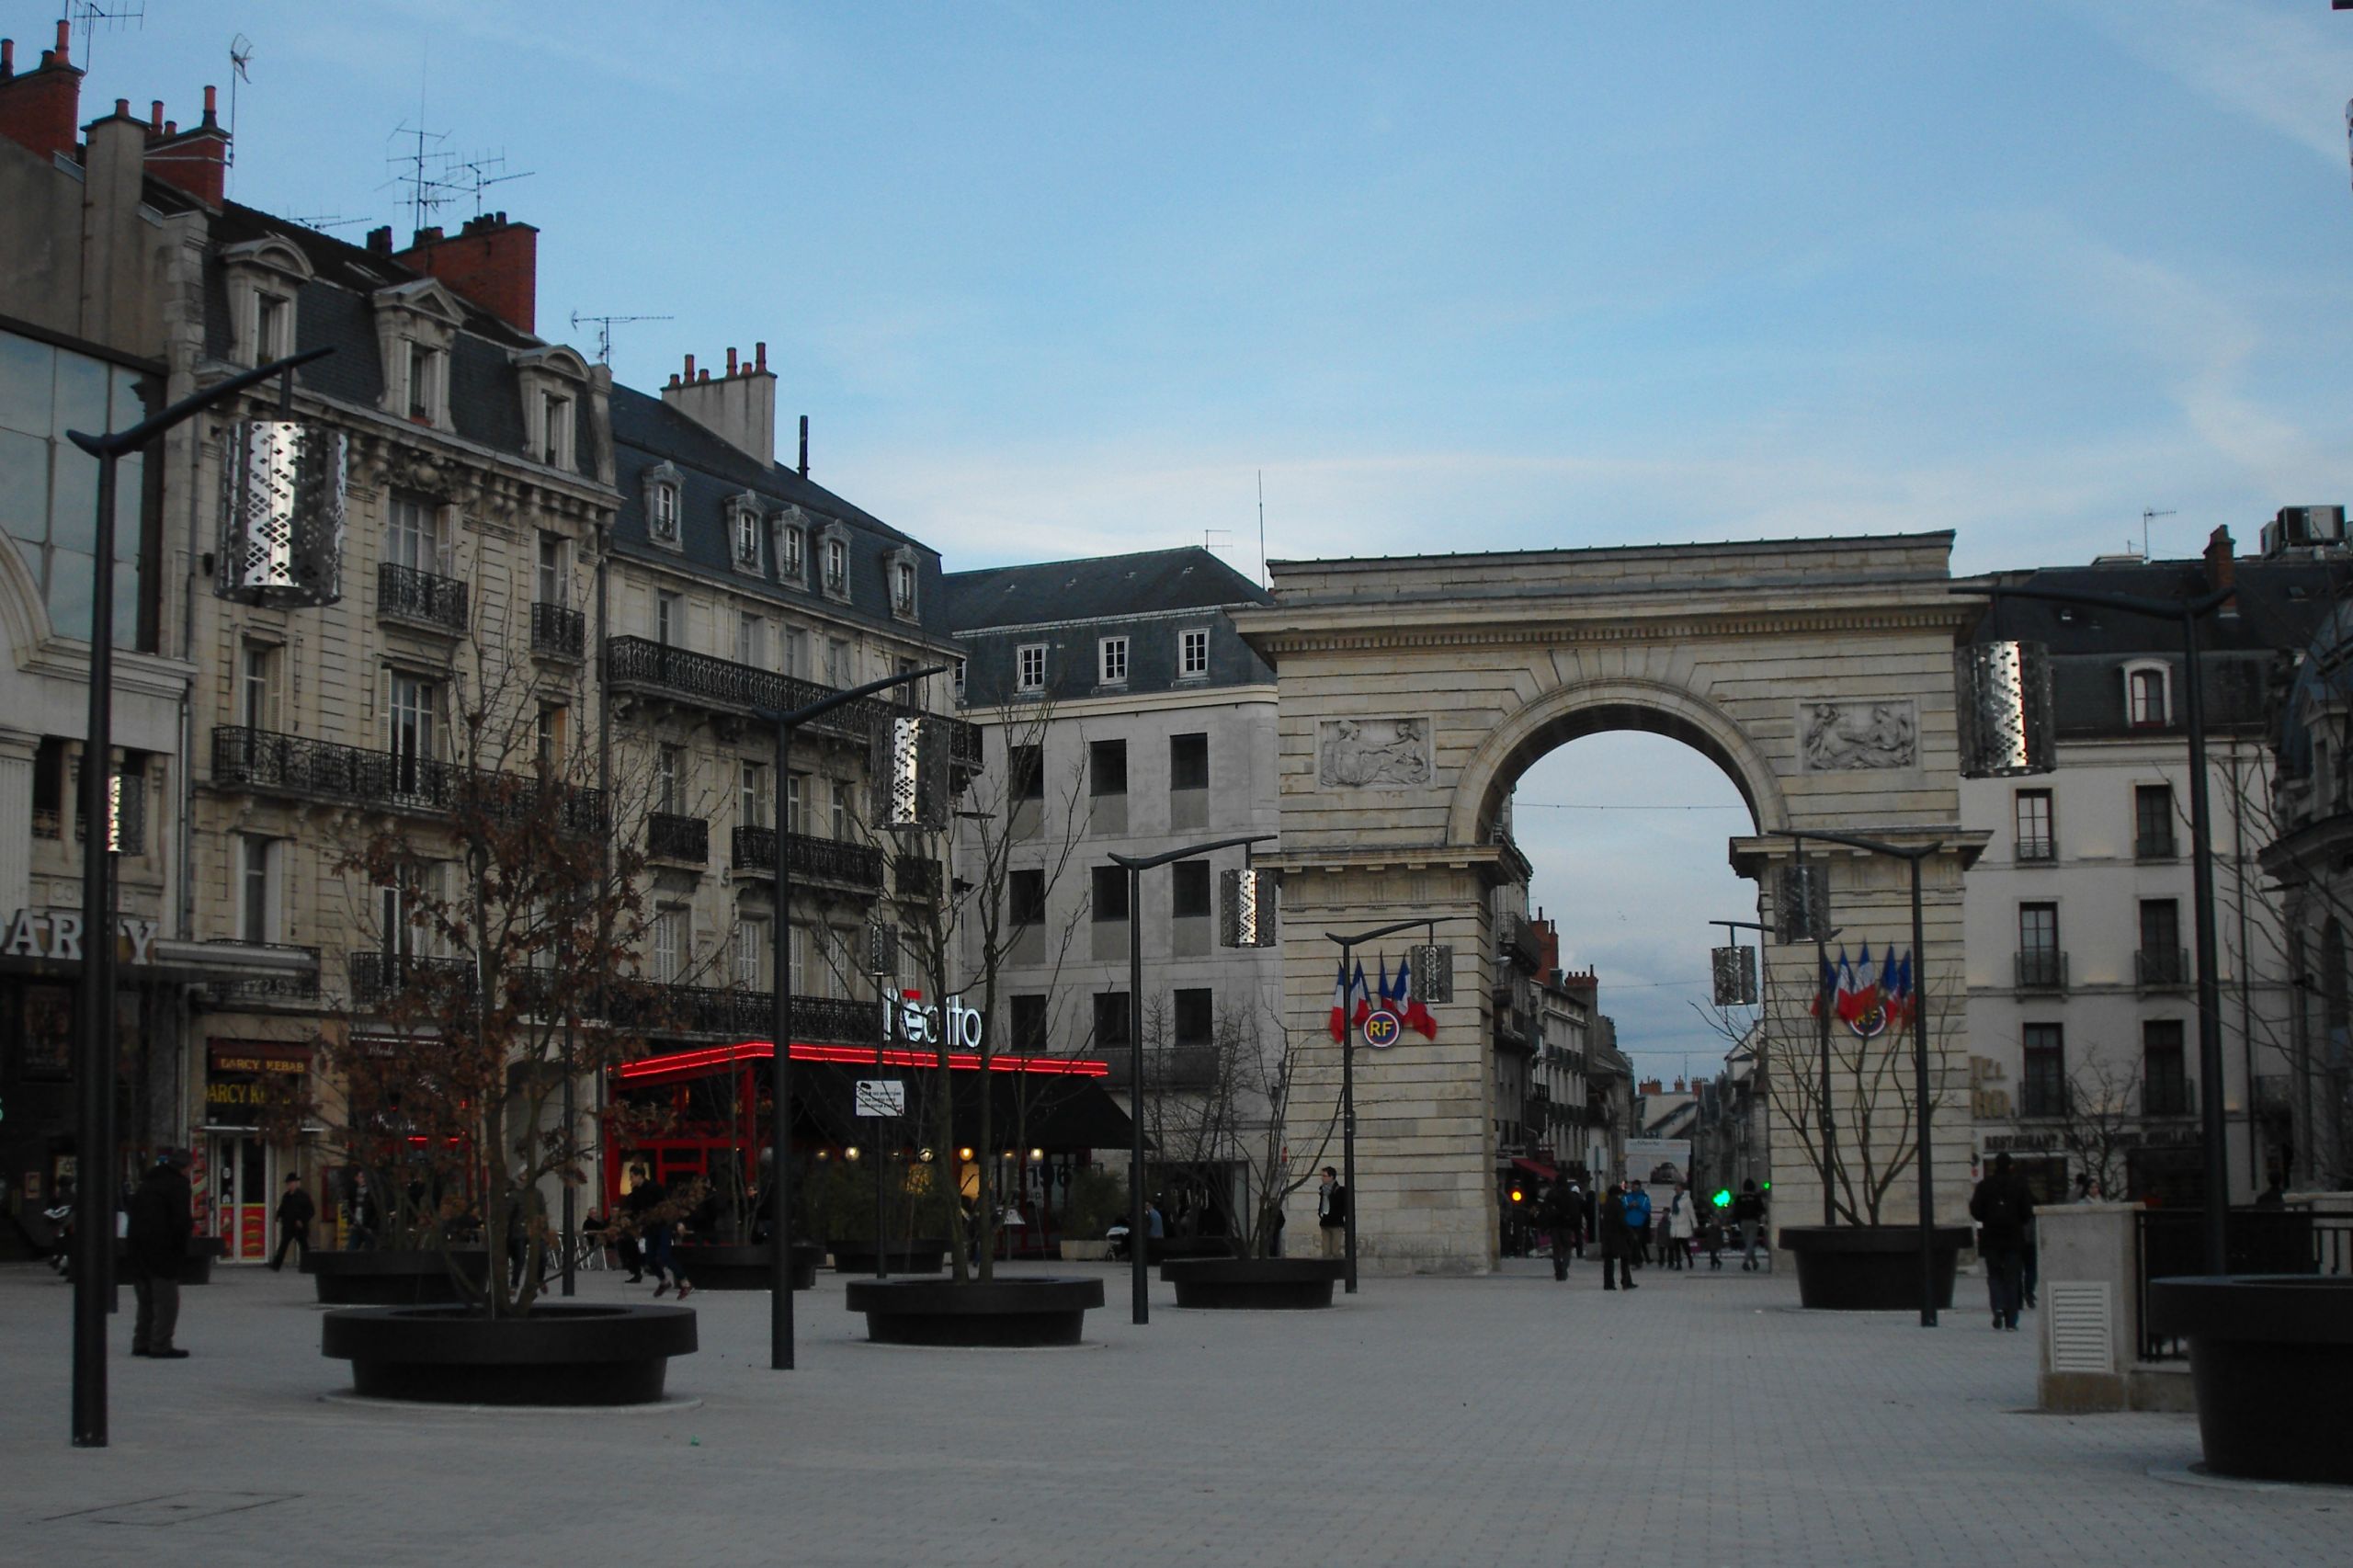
(1701, 1420)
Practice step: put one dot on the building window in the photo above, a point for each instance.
(1189, 890)
(669, 944)
(412, 716)
(1110, 901)
(49, 486)
(1192, 656)
(2153, 822)
(2161, 958)
(744, 519)
(257, 687)
(788, 552)
(2035, 838)
(1111, 1020)
(1113, 656)
(1189, 762)
(1029, 1019)
(413, 536)
(838, 669)
(1030, 667)
(795, 821)
(553, 725)
(551, 581)
(1194, 1022)
(751, 954)
(1025, 897)
(669, 781)
(428, 386)
(556, 430)
(2040, 964)
(2145, 696)
(273, 326)
(752, 794)
(2164, 1071)
(903, 587)
(2043, 1082)
(839, 790)
(669, 619)
(662, 512)
(49, 789)
(1107, 767)
(1024, 773)
(836, 563)
(752, 640)
(957, 675)
(257, 896)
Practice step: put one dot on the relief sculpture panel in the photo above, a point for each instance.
(1374, 753)
(1838, 737)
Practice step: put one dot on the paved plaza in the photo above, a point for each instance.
(1704, 1419)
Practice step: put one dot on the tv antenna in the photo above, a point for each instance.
(2147, 514)
(414, 169)
(604, 326)
(90, 17)
(477, 174)
(241, 56)
(1215, 540)
(1264, 580)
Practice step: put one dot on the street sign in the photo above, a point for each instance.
(1382, 1028)
(881, 1096)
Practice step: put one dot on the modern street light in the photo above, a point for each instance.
(94, 1198)
(1913, 854)
(1138, 1243)
(1348, 944)
(781, 1060)
(2187, 612)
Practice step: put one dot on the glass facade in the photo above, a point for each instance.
(49, 487)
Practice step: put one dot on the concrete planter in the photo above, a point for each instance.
(196, 1268)
(921, 1257)
(2271, 1355)
(720, 1265)
(1006, 1313)
(1871, 1269)
(561, 1354)
(391, 1278)
(1253, 1283)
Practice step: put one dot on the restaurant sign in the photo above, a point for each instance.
(58, 933)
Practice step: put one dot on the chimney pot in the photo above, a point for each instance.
(759, 356)
(731, 361)
(64, 38)
(155, 115)
(122, 108)
(705, 376)
(379, 241)
(211, 102)
(171, 128)
(8, 57)
(674, 378)
(691, 367)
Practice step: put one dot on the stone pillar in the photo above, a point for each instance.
(17, 749)
(2089, 1319)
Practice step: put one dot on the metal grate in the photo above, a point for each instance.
(2082, 1320)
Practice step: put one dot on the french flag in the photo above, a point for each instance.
(1416, 1013)
(1340, 1004)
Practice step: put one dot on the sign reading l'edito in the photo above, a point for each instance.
(908, 1018)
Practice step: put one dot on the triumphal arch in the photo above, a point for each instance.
(1414, 691)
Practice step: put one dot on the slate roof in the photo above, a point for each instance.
(1096, 587)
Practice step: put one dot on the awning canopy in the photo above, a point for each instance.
(1537, 1169)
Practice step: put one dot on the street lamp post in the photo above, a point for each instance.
(1140, 1244)
(1913, 854)
(780, 1058)
(1348, 945)
(2187, 612)
(94, 1199)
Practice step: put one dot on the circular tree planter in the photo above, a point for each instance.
(919, 1256)
(1003, 1314)
(390, 1278)
(561, 1353)
(1869, 1269)
(1261, 1283)
(724, 1265)
(2271, 1358)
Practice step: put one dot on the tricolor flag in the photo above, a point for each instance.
(1340, 1003)
(1360, 998)
(1416, 1013)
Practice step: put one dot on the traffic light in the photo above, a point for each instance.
(1764, 1187)
(1516, 1194)
(1723, 1199)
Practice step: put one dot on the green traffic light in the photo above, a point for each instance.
(1764, 1187)
(1723, 1199)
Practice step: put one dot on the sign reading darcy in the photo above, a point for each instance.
(1374, 753)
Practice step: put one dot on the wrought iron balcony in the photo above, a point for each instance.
(558, 631)
(1181, 1067)
(672, 1009)
(672, 838)
(818, 859)
(2160, 969)
(266, 762)
(421, 599)
(658, 669)
(269, 985)
(2040, 969)
(2041, 852)
(376, 975)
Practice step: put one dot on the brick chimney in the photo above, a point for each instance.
(41, 109)
(196, 161)
(491, 261)
(738, 407)
(2221, 565)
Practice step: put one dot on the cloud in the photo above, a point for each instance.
(2285, 70)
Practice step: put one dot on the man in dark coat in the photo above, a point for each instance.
(161, 1214)
(2003, 1208)
(295, 1212)
(1561, 1214)
(1617, 1240)
(1332, 1213)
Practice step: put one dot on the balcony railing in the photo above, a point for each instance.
(1182, 1067)
(376, 975)
(268, 762)
(820, 860)
(2158, 969)
(2043, 1101)
(420, 597)
(641, 665)
(2038, 850)
(673, 837)
(674, 1009)
(558, 631)
(2154, 846)
(269, 985)
(2040, 969)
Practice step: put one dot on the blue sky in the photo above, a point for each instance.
(1065, 279)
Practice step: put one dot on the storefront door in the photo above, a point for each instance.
(240, 1173)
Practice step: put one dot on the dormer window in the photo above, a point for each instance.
(791, 543)
(904, 578)
(427, 388)
(273, 328)
(263, 276)
(556, 430)
(416, 324)
(551, 379)
(662, 487)
(833, 562)
(744, 532)
(2148, 696)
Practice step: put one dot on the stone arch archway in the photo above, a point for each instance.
(1412, 694)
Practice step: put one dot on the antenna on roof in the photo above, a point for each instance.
(89, 17)
(604, 326)
(425, 193)
(477, 174)
(1263, 580)
(326, 220)
(241, 56)
(2146, 514)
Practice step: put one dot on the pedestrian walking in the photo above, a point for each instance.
(295, 1212)
(1561, 1214)
(1681, 1224)
(1638, 1221)
(1748, 1213)
(1332, 1213)
(1617, 1240)
(2002, 1208)
(161, 1214)
(1711, 1237)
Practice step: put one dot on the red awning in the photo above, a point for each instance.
(1537, 1169)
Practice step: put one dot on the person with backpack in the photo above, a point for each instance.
(1638, 1223)
(2002, 1208)
(1617, 1240)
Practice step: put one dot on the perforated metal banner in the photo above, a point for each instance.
(2004, 710)
(281, 529)
(1247, 908)
(1801, 903)
(1735, 975)
(911, 774)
